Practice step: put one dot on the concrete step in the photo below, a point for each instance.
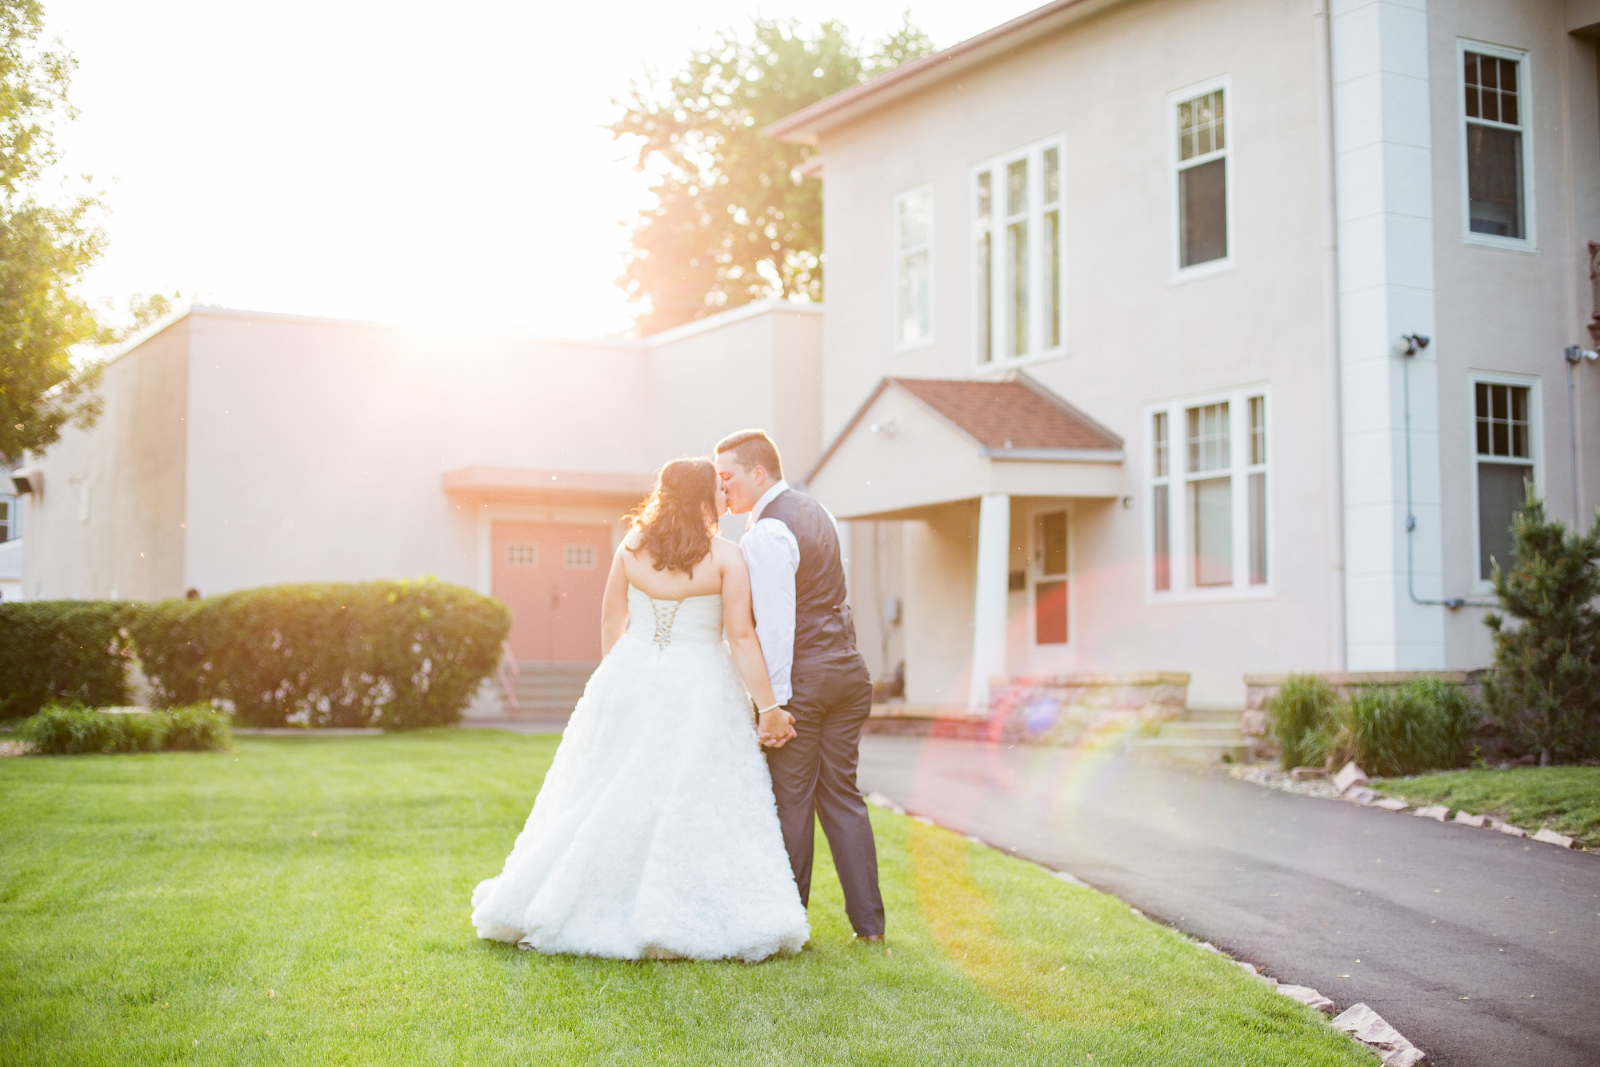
(1211, 715)
(1187, 749)
(546, 691)
(1210, 732)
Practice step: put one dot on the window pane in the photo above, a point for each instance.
(985, 297)
(1211, 530)
(1052, 279)
(1501, 493)
(1050, 613)
(1203, 213)
(1160, 430)
(1258, 430)
(1200, 126)
(1162, 539)
(1053, 543)
(1471, 77)
(1494, 180)
(985, 180)
(1208, 438)
(1017, 285)
(1052, 175)
(1017, 187)
(915, 310)
(915, 209)
(1502, 420)
(1258, 528)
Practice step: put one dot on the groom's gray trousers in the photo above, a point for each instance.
(814, 774)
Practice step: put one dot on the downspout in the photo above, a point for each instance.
(1330, 310)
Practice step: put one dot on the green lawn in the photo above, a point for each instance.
(1566, 799)
(304, 900)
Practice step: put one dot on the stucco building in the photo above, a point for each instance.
(1208, 336)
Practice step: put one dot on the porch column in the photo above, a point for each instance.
(989, 595)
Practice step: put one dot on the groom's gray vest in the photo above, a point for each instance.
(822, 625)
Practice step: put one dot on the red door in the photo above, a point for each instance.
(552, 576)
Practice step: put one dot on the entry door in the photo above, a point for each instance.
(552, 576)
(1050, 578)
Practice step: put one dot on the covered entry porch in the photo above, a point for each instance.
(964, 498)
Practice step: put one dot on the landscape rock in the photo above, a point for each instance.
(1208, 946)
(1350, 776)
(878, 800)
(1307, 996)
(1253, 723)
(1470, 819)
(1363, 795)
(1436, 812)
(1390, 804)
(1507, 828)
(1070, 880)
(1549, 836)
(1305, 774)
(1250, 969)
(1368, 1027)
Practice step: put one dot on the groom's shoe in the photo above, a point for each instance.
(869, 937)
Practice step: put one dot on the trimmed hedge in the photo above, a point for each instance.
(75, 730)
(395, 654)
(62, 651)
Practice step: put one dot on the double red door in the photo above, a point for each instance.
(552, 576)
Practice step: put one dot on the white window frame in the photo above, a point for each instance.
(1035, 573)
(1181, 556)
(1180, 273)
(996, 165)
(1525, 106)
(1535, 449)
(898, 253)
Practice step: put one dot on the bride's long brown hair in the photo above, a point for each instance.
(671, 522)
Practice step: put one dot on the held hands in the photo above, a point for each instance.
(775, 727)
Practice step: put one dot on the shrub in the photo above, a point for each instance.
(1545, 687)
(66, 730)
(395, 654)
(1301, 713)
(1398, 730)
(63, 652)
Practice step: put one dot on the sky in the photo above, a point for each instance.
(436, 165)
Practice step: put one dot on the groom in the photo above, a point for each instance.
(797, 588)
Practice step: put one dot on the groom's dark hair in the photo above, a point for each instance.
(753, 448)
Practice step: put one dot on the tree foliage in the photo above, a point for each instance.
(1545, 686)
(44, 246)
(733, 222)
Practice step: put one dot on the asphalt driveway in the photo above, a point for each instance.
(1481, 948)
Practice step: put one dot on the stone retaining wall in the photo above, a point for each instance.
(1062, 709)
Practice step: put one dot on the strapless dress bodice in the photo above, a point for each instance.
(695, 620)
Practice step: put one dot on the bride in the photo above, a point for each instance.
(655, 834)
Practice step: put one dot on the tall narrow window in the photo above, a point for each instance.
(1017, 258)
(1210, 495)
(1050, 257)
(8, 509)
(1257, 475)
(914, 266)
(985, 267)
(1020, 254)
(1160, 504)
(1202, 180)
(1495, 110)
(1050, 587)
(1505, 467)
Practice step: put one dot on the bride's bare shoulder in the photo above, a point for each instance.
(726, 552)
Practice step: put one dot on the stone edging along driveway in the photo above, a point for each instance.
(1359, 1021)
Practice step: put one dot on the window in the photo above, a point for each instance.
(10, 518)
(1018, 255)
(522, 554)
(1050, 583)
(913, 229)
(1504, 445)
(1494, 105)
(1202, 179)
(577, 557)
(1208, 524)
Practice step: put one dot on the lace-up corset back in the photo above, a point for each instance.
(693, 620)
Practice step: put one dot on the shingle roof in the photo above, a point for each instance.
(1017, 413)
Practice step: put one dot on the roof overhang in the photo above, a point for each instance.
(808, 124)
(899, 458)
(497, 485)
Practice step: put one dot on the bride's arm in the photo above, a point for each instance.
(614, 608)
(739, 623)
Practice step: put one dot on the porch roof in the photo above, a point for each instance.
(919, 443)
(521, 484)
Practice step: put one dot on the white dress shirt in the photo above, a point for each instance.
(773, 556)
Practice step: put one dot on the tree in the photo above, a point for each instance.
(1545, 686)
(733, 222)
(44, 247)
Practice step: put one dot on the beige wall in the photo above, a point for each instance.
(110, 519)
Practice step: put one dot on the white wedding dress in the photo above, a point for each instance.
(655, 834)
